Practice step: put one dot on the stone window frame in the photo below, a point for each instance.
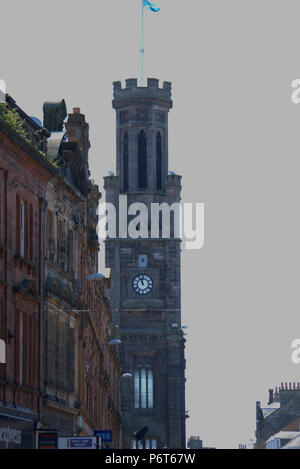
(159, 159)
(142, 159)
(24, 228)
(148, 443)
(143, 384)
(125, 154)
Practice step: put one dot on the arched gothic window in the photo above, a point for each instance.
(158, 161)
(143, 385)
(142, 160)
(126, 161)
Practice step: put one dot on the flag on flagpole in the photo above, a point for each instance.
(151, 6)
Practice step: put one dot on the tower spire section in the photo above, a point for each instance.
(145, 290)
(152, 7)
(142, 50)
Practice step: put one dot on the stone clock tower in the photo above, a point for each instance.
(145, 273)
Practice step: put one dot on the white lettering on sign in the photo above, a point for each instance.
(10, 435)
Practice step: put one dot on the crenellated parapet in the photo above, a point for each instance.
(111, 183)
(151, 91)
(173, 180)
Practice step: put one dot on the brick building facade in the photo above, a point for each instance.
(24, 174)
(59, 372)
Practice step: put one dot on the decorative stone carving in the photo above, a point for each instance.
(142, 114)
(27, 287)
(54, 115)
(160, 116)
(124, 116)
(143, 362)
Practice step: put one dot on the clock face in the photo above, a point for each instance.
(142, 284)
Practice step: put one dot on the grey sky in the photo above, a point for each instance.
(234, 136)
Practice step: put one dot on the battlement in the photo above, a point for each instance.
(151, 91)
(111, 182)
(173, 180)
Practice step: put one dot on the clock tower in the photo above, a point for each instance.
(145, 271)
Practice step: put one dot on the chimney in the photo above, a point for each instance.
(259, 413)
(54, 115)
(271, 396)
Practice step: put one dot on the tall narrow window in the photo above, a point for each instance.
(50, 236)
(61, 249)
(31, 232)
(143, 388)
(2, 334)
(62, 353)
(22, 229)
(51, 348)
(25, 348)
(142, 160)
(145, 444)
(126, 161)
(70, 363)
(70, 253)
(26, 230)
(19, 346)
(158, 161)
(1, 224)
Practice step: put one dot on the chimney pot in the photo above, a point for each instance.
(76, 110)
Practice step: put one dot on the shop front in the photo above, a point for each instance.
(16, 432)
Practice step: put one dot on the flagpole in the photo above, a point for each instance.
(142, 51)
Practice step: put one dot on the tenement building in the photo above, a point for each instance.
(24, 174)
(278, 422)
(145, 270)
(55, 317)
(70, 258)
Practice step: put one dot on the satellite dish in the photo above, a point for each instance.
(2, 91)
(36, 120)
(111, 173)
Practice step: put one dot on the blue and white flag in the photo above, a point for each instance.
(151, 6)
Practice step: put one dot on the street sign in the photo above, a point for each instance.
(106, 435)
(77, 443)
(47, 440)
